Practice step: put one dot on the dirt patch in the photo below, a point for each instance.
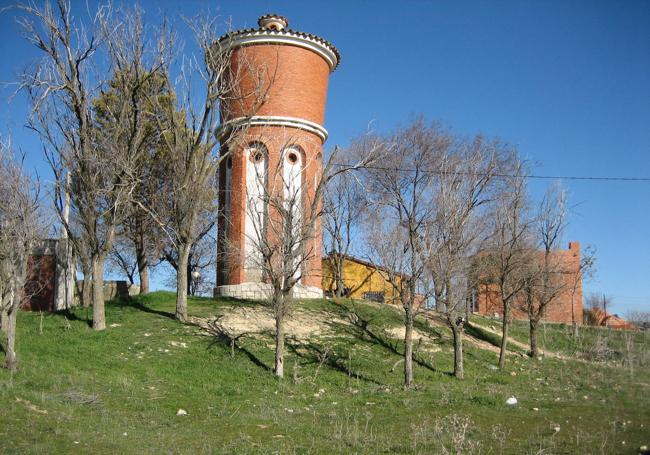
(437, 321)
(301, 324)
(399, 332)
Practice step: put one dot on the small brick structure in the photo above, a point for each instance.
(565, 308)
(272, 124)
(113, 289)
(49, 283)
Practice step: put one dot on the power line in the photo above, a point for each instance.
(523, 176)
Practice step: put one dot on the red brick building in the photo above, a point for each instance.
(273, 130)
(613, 321)
(565, 308)
(50, 277)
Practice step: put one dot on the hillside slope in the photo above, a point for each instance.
(119, 391)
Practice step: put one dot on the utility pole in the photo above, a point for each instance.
(64, 274)
(605, 309)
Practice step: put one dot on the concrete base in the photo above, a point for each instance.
(262, 291)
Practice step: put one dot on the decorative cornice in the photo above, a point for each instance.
(289, 37)
(273, 120)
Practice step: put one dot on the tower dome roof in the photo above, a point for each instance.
(273, 30)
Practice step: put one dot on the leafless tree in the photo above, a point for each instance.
(120, 260)
(61, 88)
(547, 273)
(201, 260)
(466, 181)
(596, 305)
(284, 214)
(130, 123)
(641, 319)
(344, 204)
(100, 154)
(402, 191)
(509, 247)
(191, 137)
(20, 229)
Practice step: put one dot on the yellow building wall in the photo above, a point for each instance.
(359, 278)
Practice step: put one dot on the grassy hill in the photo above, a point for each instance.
(119, 391)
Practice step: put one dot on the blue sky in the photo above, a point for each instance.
(567, 82)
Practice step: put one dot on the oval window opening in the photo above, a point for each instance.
(292, 157)
(256, 157)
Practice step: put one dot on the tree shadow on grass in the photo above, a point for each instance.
(483, 335)
(71, 316)
(363, 330)
(313, 353)
(133, 303)
(233, 345)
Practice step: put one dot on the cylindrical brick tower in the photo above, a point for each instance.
(272, 129)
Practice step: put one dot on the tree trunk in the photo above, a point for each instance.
(339, 287)
(182, 282)
(86, 290)
(534, 350)
(338, 271)
(458, 352)
(408, 349)
(143, 272)
(99, 316)
(86, 285)
(504, 336)
(279, 345)
(4, 320)
(11, 361)
(141, 255)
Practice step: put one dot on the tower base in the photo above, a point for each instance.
(264, 291)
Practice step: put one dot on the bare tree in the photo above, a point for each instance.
(344, 204)
(201, 260)
(131, 89)
(596, 305)
(284, 214)
(20, 229)
(191, 137)
(547, 273)
(99, 153)
(465, 183)
(61, 88)
(121, 260)
(509, 248)
(402, 188)
(641, 319)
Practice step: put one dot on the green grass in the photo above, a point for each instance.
(118, 391)
(618, 345)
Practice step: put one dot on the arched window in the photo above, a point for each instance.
(256, 209)
(292, 168)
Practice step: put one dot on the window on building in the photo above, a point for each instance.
(374, 296)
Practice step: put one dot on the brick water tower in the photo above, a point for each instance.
(272, 132)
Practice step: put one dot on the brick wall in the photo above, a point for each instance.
(294, 84)
(569, 300)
